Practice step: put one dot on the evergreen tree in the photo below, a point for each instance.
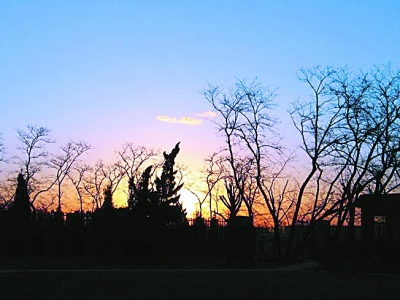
(158, 201)
(166, 185)
(167, 190)
(108, 205)
(139, 194)
(20, 211)
(21, 205)
(104, 226)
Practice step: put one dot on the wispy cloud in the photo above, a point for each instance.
(187, 120)
(182, 120)
(207, 114)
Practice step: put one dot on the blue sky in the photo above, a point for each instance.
(102, 71)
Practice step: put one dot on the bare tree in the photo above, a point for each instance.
(250, 132)
(134, 159)
(349, 131)
(44, 205)
(33, 142)
(229, 118)
(317, 122)
(76, 176)
(63, 163)
(102, 176)
(2, 148)
(33, 145)
(94, 183)
(245, 193)
(7, 190)
(210, 176)
(232, 201)
(213, 175)
(371, 152)
(248, 181)
(227, 107)
(114, 174)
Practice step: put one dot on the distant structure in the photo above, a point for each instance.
(380, 217)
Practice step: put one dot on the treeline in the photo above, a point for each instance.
(149, 195)
(348, 132)
(349, 145)
(145, 225)
(153, 225)
(62, 181)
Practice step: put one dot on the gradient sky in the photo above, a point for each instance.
(114, 71)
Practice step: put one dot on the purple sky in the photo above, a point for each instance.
(114, 71)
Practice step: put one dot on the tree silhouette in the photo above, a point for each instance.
(350, 133)
(139, 193)
(108, 205)
(166, 184)
(21, 205)
(33, 142)
(20, 217)
(256, 160)
(158, 201)
(1, 147)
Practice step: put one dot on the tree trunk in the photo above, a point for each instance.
(297, 210)
(277, 243)
(352, 215)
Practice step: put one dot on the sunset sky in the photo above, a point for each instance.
(113, 71)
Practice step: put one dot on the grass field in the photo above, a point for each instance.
(59, 279)
(195, 284)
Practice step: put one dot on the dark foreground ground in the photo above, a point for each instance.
(193, 279)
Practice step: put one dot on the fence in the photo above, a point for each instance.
(210, 235)
(265, 237)
(207, 222)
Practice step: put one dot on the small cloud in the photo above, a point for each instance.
(207, 114)
(167, 119)
(182, 120)
(190, 121)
